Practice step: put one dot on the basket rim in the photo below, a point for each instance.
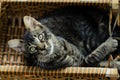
(74, 71)
(55, 1)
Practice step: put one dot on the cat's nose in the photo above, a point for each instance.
(38, 43)
(41, 46)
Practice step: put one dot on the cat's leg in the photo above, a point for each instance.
(101, 52)
(69, 53)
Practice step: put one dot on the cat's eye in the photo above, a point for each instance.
(32, 49)
(41, 37)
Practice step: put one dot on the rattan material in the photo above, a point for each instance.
(12, 63)
(64, 1)
(62, 74)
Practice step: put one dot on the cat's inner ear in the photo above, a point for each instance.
(31, 24)
(17, 44)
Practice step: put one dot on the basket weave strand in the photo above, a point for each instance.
(58, 1)
(70, 71)
(12, 63)
(77, 72)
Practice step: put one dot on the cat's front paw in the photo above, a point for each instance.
(111, 44)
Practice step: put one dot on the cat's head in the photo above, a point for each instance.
(37, 39)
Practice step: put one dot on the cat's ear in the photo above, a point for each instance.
(17, 44)
(31, 24)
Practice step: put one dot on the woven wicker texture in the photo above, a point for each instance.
(29, 73)
(12, 64)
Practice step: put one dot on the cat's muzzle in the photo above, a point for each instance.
(45, 48)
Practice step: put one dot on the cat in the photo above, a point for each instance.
(71, 36)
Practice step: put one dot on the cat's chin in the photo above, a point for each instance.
(44, 58)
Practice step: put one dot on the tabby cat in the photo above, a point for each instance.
(71, 36)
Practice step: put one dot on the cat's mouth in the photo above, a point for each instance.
(44, 55)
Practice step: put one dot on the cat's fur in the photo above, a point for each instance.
(70, 36)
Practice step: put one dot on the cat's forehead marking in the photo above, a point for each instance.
(36, 32)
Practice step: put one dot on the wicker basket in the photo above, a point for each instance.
(12, 64)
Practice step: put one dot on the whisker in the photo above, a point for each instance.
(40, 64)
(37, 65)
(34, 62)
